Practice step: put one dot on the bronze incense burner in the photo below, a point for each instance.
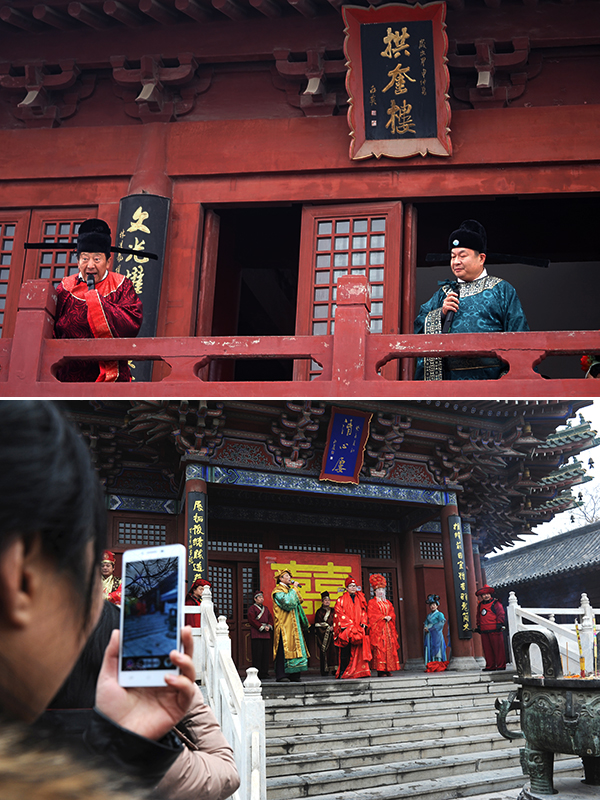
(558, 714)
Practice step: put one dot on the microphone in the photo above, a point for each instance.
(91, 284)
(454, 287)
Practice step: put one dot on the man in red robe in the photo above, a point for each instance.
(261, 624)
(350, 633)
(491, 621)
(96, 304)
(382, 629)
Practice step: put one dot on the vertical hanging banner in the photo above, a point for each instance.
(143, 220)
(345, 448)
(397, 80)
(459, 570)
(196, 536)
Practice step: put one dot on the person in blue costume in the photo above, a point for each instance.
(433, 637)
(485, 304)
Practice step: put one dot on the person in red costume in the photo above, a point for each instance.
(382, 629)
(350, 633)
(194, 598)
(491, 620)
(96, 304)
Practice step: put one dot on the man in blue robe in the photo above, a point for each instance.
(485, 305)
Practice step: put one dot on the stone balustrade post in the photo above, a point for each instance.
(252, 723)
(512, 617)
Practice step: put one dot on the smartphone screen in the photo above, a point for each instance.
(151, 612)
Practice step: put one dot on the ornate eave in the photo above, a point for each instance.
(503, 460)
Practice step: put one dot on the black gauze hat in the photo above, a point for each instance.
(94, 237)
(471, 234)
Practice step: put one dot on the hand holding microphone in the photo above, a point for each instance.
(450, 306)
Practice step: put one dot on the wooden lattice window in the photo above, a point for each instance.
(348, 240)
(141, 534)
(55, 226)
(369, 548)
(57, 264)
(431, 550)
(13, 229)
(7, 242)
(250, 584)
(222, 580)
(224, 545)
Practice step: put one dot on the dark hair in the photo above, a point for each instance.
(49, 487)
(79, 689)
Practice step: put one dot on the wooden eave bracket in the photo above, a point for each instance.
(491, 79)
(52, 92)
(154, 92)
(306, 82)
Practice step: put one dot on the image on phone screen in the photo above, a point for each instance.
(150, 615)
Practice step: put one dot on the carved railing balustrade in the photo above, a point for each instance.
(351, 358)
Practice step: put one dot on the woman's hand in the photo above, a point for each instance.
(147, 711)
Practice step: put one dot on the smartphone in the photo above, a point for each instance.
(151, 613)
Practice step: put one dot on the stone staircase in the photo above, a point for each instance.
(431, 736)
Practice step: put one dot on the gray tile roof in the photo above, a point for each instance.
(569, 551)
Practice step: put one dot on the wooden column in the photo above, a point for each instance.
(462, 649)
(151, 169)
(472, 586)
(409, 284)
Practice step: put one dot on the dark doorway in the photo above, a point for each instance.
(563, 229)
(257, 284)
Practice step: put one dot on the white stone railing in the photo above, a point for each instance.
(521, 618)
(239, 708)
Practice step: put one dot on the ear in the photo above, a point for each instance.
(20, 582)
(482, 256)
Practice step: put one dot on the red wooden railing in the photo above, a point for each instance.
(351, 358)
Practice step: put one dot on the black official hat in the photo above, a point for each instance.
(471, 234)
(94, 237)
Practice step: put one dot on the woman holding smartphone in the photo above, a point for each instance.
(52, 535)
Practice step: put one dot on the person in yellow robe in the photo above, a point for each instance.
(290, 652)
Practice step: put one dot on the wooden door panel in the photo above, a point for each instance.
(354, 239)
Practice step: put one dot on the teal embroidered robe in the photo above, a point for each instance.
(487, 305)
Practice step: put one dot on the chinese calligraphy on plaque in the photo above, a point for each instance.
(397, 80)
(459, 568)
(142, 228)
(196, 536)
(344, 452)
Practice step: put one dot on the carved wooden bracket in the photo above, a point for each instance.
(295, 436)
(52, 91)
(488, 77)
(308, 83)
(158, 90)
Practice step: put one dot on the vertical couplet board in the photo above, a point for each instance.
(142, 226)
(397, 80)
(196, 537)
(459, 571)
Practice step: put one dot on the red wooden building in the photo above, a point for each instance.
(236, 110)
(256, 465)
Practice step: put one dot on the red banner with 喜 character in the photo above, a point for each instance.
(317, 572)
